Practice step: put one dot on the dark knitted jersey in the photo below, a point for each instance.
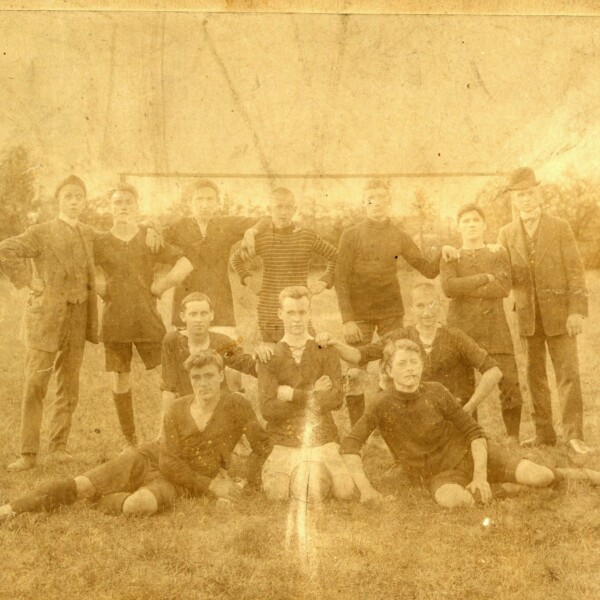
(427, 431)
(367, 270)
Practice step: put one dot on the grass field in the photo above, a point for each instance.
(544, 544)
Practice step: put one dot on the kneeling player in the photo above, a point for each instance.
(435, 441)
(200, 432)
(298, 388)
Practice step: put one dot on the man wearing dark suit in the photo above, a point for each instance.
(61, 315)
(548, 285)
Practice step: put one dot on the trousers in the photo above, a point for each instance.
(39, 366)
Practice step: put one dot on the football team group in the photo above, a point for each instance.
(425, 410)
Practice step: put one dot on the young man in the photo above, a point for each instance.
(130, 317)
(548, 284)
(298, 388)
(438, 443)
(476, 285)
(197, 314)
(61, 315)
(286, 251)
(450, 356)
(367, 283)
(206, 238)
(200, 432)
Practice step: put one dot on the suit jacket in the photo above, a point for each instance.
(45, 311)
(558, 270)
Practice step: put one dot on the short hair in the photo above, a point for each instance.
(424, 285)
(70, 180)
(467, 208)
(195, 297)
(199, 184)
(203, 358)
(294, 291)
(374, 184)
(393, 346)
(123, 186)
(282, 192)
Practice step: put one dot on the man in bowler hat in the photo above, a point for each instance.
(548, 285)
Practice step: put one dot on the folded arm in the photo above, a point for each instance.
(278, 402)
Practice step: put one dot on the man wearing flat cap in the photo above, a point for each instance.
(61, 314)
(548, 285)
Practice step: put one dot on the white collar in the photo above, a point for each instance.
(68, 220)
(288, 340)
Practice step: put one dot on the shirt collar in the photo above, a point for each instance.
(531, 216)
(286, 339)
(68, 220)
(378, 224)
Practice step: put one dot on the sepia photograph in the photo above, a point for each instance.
(300, 302)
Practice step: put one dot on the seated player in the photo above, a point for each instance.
(286, 251)
(298, 388)
(200, 432)
(450, 356)
(130, 316)
(437, 442)
(477, 285)
(196, 314)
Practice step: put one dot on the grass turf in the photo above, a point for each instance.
(543, 544)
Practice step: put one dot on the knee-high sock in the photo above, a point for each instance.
(512, 420)
(577, 474)
(112, 504)
(124, 406)
(356, 407)
(47, 496)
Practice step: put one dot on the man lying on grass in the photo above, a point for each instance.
(200, 432)
(437, 442)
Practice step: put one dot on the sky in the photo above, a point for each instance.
(101, 94)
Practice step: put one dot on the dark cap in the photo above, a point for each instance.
(521, 179)
(70, 180)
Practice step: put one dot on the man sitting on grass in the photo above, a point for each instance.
(437, 442)
(192, 456)
(298, 388)
(449, 355)
(197, 314)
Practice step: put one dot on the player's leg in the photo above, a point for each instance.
(510, 394)
(342, 484)
(277, 471)
(531, 474)
(356, 377)
(453, 495)
(449, 487)
(118, 362)
(151, 355)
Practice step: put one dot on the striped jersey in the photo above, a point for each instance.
(286, 255)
